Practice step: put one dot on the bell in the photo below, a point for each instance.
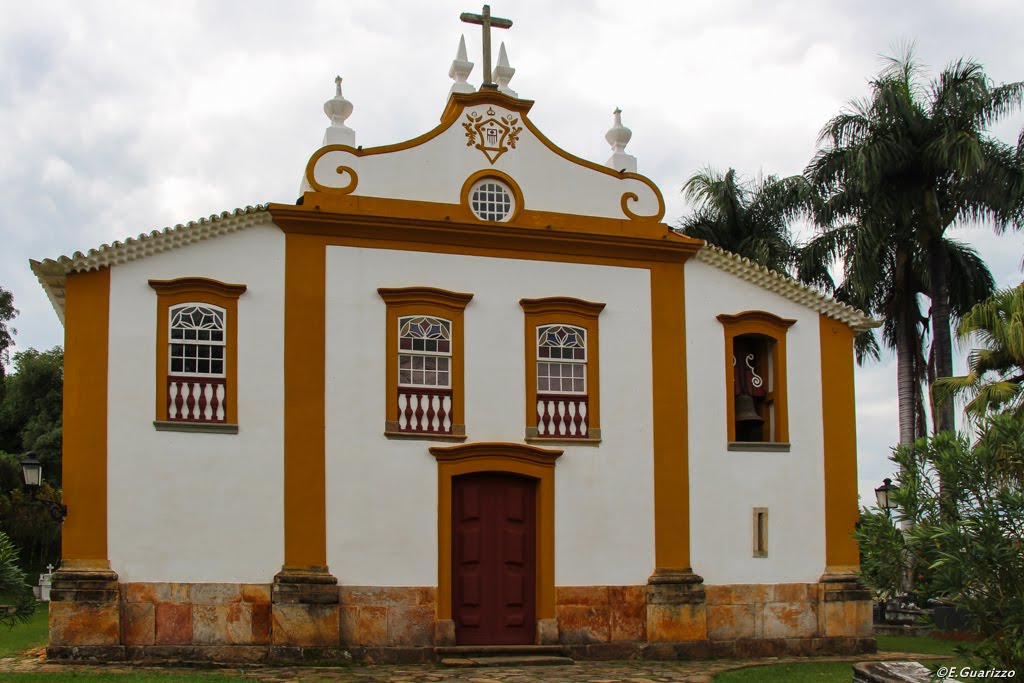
(745, 412)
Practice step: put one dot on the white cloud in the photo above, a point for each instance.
(121, 117)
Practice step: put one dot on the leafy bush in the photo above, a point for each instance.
(884, 554)
(966, 506)
(13, 584)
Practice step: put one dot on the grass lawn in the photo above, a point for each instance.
(841, 672)
(24, 636)
(100, 677)
(33, 634)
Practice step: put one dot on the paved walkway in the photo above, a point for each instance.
(34, 661)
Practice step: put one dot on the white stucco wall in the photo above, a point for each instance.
(198, 507)
(382, 494)
(725, 486)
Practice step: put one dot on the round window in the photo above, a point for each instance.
(491, 201)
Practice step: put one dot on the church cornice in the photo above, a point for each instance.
(396, 222)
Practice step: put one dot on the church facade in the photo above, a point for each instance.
(469, 391)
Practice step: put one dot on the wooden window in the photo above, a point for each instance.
(755, 381)
(197, 354)
(562, 383)
(760, 532)
(424, 371)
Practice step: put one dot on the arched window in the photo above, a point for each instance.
(425, 352)
(197, 355)
(198, 339)
(425, 363)
(562, 383)
(561, 359)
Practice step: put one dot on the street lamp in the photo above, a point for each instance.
(32, 473)
(883, 495)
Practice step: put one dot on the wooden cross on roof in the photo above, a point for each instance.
(487, 21)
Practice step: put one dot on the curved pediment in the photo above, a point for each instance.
(485, 134)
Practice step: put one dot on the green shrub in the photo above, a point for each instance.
(965, 503)
(13, 585)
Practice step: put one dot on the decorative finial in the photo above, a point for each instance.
(460, 69)
(618, 137)
(338, 109)
(503, 73)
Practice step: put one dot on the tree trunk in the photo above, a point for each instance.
(907, 380)
(938, 275)
(942, 342)
(905, 383)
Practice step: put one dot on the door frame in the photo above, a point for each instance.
(507, 458)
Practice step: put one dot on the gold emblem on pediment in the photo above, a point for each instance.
(491, 135)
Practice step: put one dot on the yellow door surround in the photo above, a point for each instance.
(511, 458)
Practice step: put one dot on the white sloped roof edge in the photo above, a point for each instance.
(786, 286)
(52, 273)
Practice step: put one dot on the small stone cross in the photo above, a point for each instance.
(49, 568)
(487, 21)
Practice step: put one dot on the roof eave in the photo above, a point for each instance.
(786, 286)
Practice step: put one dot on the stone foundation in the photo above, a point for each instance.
(85, 612)
(376, 617)
(306, 617)
(305, 611)
(601, 614)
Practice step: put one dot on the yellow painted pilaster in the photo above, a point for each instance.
(840, 446)
(86, 337)
(305, 498)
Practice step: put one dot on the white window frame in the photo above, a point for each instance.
(572, 362)
(479, 186)
(171, 341)
(447, 324)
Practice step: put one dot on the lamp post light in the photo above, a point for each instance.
(883, 496)
(32, 473)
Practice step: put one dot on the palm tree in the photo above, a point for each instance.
(919, 153)
(995, 381)
(748, 218)
(884, 272)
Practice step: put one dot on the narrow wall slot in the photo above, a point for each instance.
(760, 532)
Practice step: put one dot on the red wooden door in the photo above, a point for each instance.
(494, 559)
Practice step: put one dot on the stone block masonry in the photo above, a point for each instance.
(93, 618)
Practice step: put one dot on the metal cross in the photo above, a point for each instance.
(487, 21)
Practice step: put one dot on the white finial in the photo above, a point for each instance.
(503, 73)
(618, 137)
(460, 70)
(338, 109)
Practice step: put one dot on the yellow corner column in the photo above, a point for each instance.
(305, 510)
(305, 595)
(86, 335)
(671, 464)
(675, 595)
(840, 446)
(844, 609)
(85, 611)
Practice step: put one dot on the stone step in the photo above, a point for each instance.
(502, 655)
(494, 650)
(508, 661)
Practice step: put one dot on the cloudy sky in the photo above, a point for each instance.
(120, 117)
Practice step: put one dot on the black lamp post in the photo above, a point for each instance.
(32, 473)
(883, 495)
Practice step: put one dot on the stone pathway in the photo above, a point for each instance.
(34, 661)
